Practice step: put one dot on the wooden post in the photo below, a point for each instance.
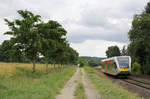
(105, 67)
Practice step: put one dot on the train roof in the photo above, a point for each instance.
(113, 58)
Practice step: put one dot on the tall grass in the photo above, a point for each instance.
(106, 88)
(22, 83)
(7, 68)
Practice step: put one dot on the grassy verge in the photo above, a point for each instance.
(80, 91)
(106, 88)
(23, 84)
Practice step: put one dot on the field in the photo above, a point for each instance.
(17, 81)
(12, 67)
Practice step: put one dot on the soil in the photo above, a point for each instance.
(90, 91)
(68, 91)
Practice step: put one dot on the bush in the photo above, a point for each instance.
(136, 68)
(83, 62)
(93, 63)
(147, 67)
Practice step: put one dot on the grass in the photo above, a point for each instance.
(8, 68)
(22, 83)
(106, 88)
(79, 90)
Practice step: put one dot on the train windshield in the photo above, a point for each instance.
(123, 62)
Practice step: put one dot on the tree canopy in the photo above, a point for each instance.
(113, 51)
(139, 36)
(33, 38)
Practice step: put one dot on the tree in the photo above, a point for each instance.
(73, 57)
(51, 33)
(37, 40)
(124, 51)
(25, 34)
(83, 62)
(6, 51)
(139, 35)
(93, 63)
(113, 51)
(136, 68)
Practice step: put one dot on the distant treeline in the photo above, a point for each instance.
(33, 40)
(98, 59)
(90, 61)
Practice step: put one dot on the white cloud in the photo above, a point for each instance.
(87, 21)
(95, 47)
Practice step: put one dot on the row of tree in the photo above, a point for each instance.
(32, 38)
(139, 47)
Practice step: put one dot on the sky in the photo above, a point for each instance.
(92, 25)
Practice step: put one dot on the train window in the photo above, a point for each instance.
(123, 62)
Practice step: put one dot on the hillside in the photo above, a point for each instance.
(93, 58)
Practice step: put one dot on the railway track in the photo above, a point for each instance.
(137, 83)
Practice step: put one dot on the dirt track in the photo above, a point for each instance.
(68, 91)
(90, 91)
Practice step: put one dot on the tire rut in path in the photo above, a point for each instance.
(68, 91)
(90, 91)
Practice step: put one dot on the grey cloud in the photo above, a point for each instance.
(97, 16)
(113, 18)
(117, 37)
(84, 20)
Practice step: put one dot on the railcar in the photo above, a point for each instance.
(117, 66)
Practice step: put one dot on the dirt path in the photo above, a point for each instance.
(90, 91)
(68, 91)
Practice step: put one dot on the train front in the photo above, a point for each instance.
(124, 63)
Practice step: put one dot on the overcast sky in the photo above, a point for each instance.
(92, 25)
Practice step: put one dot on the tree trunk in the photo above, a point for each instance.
(33, 68)
(54, 65)
(46, 59)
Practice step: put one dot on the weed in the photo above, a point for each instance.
(106, 88)
(22, 83)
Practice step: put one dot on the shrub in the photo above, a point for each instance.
(136, 68)
(93, 63)
(83, 62)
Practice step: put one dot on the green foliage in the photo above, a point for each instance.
(136, 68)
(80, 91)
(93, 63)
(113, 51)
(83, 62)
(139, 36)
(124, 51)
(106, 88)
(32, 38)
(50, 34)
(24, 84)
(11, 53)
(25, 34)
